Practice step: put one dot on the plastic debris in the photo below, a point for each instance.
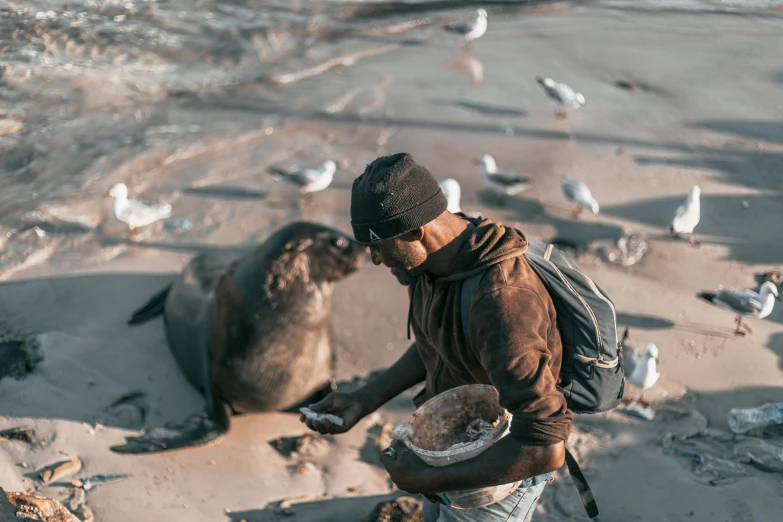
(90, 482)
(31, 507)
(762, 454)
(177, 223)
(311, 415)
(723, 471)
(639, 412)
(632, 249)
(743, 420)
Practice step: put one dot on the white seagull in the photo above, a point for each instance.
(687, 216)
(503, 182)
(744, 303)
(577, 193)
(134, 212)
(452, 191)
(309, 179)
(641, 370)
(471, 29)
(561, 95)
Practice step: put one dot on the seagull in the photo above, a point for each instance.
(577, 193)
(452, 191)
(640, 370)
(504, 182)
(134, 212)
(471, 29)
(309, 179)
(745, 303)
(561, 94)
(687, 216)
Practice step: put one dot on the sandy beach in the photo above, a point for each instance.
(708, 110)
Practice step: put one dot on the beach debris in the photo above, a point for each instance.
(301, 468)
(311, 415)
(384, 438)
(723, 471)
(632, 249)
(683, 423)
(640, 412)
(641, 370)
(744, 420)
(744, 303)
(502, 182)
(177, 223)
(77, 504)
(687, 216)
(451, 189)
(400, 509)
(31, 507)
(131, 409)
(471, 29)
(309, 445)
(579, 195)
(60, 470)
(309, 179)
(626, 84)
(561, 95)
(19, 356)
(135, 213)
(21, 433)
(90, 482)
(760, 453)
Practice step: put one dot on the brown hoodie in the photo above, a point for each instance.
(515, 343)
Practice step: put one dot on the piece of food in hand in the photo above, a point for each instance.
(311, 415)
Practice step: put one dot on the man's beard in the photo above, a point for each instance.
(404, 277)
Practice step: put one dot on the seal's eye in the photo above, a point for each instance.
(340, 242)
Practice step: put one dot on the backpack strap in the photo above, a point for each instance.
(586, 494)
(469, 287)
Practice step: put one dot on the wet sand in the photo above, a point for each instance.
(709, 114)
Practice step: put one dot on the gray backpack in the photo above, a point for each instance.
(591, 374)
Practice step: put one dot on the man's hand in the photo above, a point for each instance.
(408, 472)
(345, 405)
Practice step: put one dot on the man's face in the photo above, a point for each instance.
(401, 255)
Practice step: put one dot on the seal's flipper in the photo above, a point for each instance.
(153, 308)
(197, 430)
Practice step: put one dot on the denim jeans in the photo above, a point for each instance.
(517, 507)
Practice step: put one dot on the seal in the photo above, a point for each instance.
(252, 332)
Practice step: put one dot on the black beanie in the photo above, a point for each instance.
(393, 196)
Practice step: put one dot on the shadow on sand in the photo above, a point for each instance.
(753, 235)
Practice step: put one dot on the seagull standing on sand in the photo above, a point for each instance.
(561, 95)
(503, 182)
(578, 194)
(309, 179)
(471, 29)
(452, 191)
(134, 212)
(744, 303)
(641, 370)
(687, 216)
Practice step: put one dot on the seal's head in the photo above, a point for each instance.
(311, 253)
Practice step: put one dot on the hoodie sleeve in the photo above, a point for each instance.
(510, 331)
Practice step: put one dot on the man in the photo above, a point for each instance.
(398, 210)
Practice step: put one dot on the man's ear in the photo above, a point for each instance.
(417, 234)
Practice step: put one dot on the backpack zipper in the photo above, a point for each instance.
(587, 307)
(436, 376)
(603, 298)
